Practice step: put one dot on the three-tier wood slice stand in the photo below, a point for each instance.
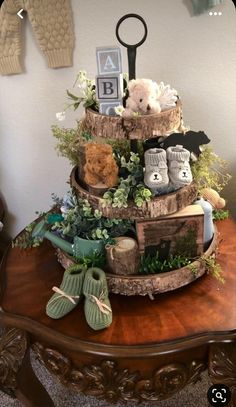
(142, 127)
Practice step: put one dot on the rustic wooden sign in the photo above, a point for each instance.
(108, 60)
(179, 233)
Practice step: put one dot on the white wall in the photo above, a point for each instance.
(196, 55)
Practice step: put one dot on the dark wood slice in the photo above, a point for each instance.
(201, 310)
(140, 127)
(158, 206)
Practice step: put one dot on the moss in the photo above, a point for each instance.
(212, 267)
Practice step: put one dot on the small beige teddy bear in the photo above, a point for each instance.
(142, 98)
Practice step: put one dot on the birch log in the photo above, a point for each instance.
(123, 257)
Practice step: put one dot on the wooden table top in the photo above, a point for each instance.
(203, 308)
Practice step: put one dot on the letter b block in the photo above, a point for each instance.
(109, 87)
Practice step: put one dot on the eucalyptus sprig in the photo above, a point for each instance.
(80, 219)
(130, 187)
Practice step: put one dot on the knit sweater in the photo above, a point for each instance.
(52, 25)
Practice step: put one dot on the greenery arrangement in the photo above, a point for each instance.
(120, 148)
(212, 267)
(94, 260)
(130, 187)
(210, 171)
(151, 264)
(79, 219)
(25, 239)
(72, 217)
(70, 140)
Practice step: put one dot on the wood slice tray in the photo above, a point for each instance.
(140, 127)
(158, 206)
(153, 283)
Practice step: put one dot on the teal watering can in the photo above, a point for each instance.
(79, 248)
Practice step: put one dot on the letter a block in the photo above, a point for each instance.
(109, 87)
(108, 60)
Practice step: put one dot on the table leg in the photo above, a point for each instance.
(222, 366)
(17, 377)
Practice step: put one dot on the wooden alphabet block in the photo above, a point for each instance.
(109, 87)
(108, 60)
(108, 106)
(179, 233)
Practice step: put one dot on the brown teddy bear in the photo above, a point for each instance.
(100, 165)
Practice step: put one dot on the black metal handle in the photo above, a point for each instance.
(131, 48)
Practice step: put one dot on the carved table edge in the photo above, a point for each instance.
(106, 380)
(222, 366)
(13, 347)
(132, 351)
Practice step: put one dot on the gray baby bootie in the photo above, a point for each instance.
(179, 169)
(156, 172)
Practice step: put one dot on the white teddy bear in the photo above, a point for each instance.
(142, 98)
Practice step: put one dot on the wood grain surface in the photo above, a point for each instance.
(140, 127)
(204, 307)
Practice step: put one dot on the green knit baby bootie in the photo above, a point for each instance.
(68, 295)
(97, 307)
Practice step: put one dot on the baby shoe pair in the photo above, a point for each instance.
(167, 168)
(78, 281)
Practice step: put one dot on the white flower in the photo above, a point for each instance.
(82, 85)
(82, 77)
(119, 110)
(168, 96)
(61, 116)
(82, 74)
